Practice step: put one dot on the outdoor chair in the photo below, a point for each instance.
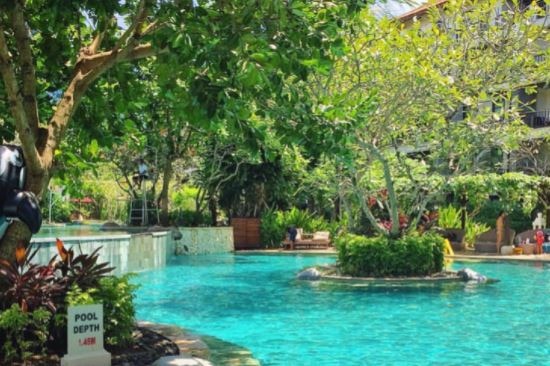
(487, 242)
(319, 240)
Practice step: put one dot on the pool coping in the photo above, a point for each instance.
(529, 258)
(458, 256)
(51, 239)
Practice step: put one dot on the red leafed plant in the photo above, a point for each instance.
(403, 223)
(83, 269)
(32, 286)
(29, 285)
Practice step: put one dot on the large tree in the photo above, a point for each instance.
(440, 90)
(52, 52)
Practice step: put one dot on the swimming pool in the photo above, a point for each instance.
(76, 230)
(254, 301)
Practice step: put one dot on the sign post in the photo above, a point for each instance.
(85, 337)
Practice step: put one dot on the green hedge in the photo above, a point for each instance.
(379, 256)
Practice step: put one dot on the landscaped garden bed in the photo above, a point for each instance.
(147, 346)
(34, 300)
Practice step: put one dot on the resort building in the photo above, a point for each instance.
(532, 99)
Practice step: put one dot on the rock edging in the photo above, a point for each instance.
(200, 350)
(330, 273)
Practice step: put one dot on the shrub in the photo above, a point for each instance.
(116, 295)
(190, 218)
(272, 229)
(379, 256)
(76, 279)
(82, 270)
(518, 219)
(22, 333)
(59, 208)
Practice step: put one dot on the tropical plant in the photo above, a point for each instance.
(399, 86)
(450, 218)
(477, 190)
(473, 229)
(22, 333)
(28, 285)
(82, 270)
(117, 296)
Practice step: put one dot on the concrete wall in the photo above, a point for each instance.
(205, 240)
(127, 253)
(137, 252)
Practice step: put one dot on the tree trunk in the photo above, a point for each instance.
(164, 193)
(37, 182)
(392, 196)
(336, 210)
(213, 207)
(16, 233)
(39, 144)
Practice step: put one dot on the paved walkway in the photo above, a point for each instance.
(502, 258)
(329, 251)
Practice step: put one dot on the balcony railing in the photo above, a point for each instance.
(537, 119)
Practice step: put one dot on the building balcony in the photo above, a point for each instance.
(537, 119)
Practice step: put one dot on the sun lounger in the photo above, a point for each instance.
(317, 240)
(487, 241)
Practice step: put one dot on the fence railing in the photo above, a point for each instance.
(537, 119)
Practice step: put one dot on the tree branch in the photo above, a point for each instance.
(134, 30)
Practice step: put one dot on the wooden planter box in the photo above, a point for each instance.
(246, 233)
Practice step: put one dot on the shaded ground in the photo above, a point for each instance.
(148, 347)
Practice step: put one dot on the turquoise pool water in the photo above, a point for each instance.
(254, 301)
(62, 231)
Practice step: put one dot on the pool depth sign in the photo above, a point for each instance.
(85, 337)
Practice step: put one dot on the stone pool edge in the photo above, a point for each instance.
(524, 258)
(199, 349)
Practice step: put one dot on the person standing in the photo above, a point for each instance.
(503, 230)
(539, 239)
(142, 173)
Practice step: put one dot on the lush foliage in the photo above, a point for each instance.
(22, 333)
(421, 91)
(379, 256)
(449, 217)
(508, 189)
(473, 229)
(34, 299)
(28, 285)
(116, 295)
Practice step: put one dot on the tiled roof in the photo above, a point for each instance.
(420, 10)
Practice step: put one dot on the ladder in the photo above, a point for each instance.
(141, 209)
